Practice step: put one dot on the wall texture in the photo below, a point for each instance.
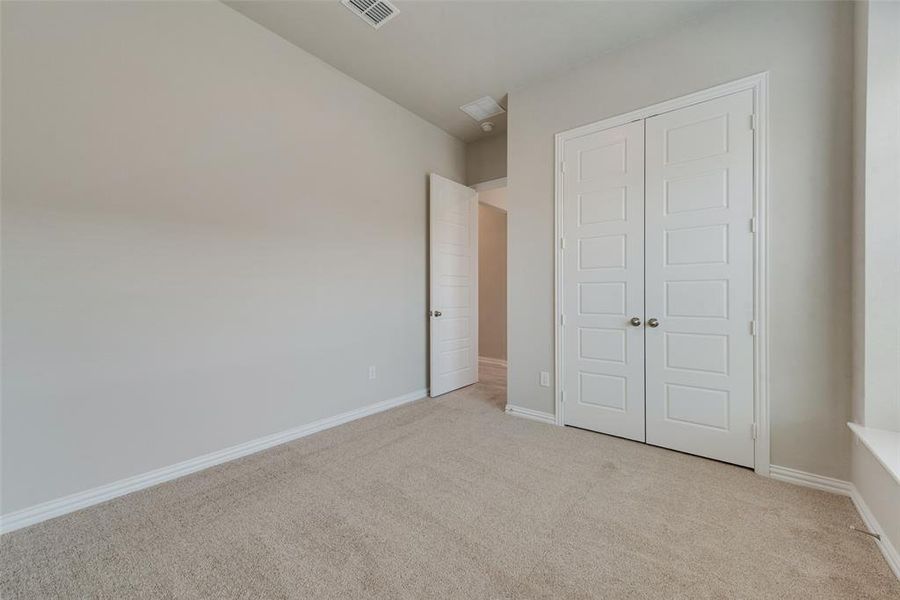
(491, 282)
(486, 159)
(808, 50)
(879, 490)
(208, 235)
(858, 235)
(876, 248)
(876, 216)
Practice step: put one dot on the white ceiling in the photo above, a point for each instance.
(435, 56)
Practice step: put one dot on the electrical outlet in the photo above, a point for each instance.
(372, 372)
(545, 379)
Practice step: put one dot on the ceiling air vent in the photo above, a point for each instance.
(482, 109)
(374, 12)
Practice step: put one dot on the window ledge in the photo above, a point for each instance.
(883, 444)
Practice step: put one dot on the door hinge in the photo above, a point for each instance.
(753, 122)
(753, 225)
(754, 328)
(753, 429)
(562, 319)
(562, 396)
(562, 243)
(562, 167)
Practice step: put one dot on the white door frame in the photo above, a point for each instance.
(759, 85)
(490, 184)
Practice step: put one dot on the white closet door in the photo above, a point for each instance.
(453, 284)
(603, 274)
(699, 279)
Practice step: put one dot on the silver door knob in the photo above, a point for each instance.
(437, 313)
(636, 321)
(653, 322)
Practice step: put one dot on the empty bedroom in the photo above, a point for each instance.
(449, 299)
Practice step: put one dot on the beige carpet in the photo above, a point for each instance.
(451, 498)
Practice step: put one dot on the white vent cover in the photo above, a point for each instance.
(374, 12)
(483, 108)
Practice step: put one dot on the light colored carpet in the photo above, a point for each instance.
(451, 498)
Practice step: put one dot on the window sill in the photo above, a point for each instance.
(883, 444)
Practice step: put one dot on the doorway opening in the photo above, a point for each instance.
(467, 278)
(492, 291)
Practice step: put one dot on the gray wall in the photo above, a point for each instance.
(876, 248)
(876, 217)
(878, 489)
(486, 159)
(208, 235)
(808, 49)
(858, 237)
(491, 282)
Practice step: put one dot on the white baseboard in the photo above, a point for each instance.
(534, 415)
(496, 362)
(844, 488)
(887, 548)
(810, 480)
(60, 506)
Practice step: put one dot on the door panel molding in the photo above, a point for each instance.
(603, 216)
(699, 370)
(453, 285)
(758, 84)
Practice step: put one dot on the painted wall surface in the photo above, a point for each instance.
(208, 236)
(876, 216)
(879, 490)
(808, 50)
(858, 238)
(491, 282)
(486, 159)
(494, 196)
(876, 248)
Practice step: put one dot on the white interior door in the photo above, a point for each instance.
(603, 274)
(453, 285)
(699, 279)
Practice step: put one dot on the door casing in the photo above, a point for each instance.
(758, 83)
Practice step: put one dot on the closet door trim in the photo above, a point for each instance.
(758, 83)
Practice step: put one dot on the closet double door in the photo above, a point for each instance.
(657, 280)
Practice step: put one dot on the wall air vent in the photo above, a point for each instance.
(483, 108)
(374, 12)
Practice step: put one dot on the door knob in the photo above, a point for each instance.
(653, 322)
(636, 321)
(437, 313)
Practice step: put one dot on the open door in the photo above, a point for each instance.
(453, 285)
